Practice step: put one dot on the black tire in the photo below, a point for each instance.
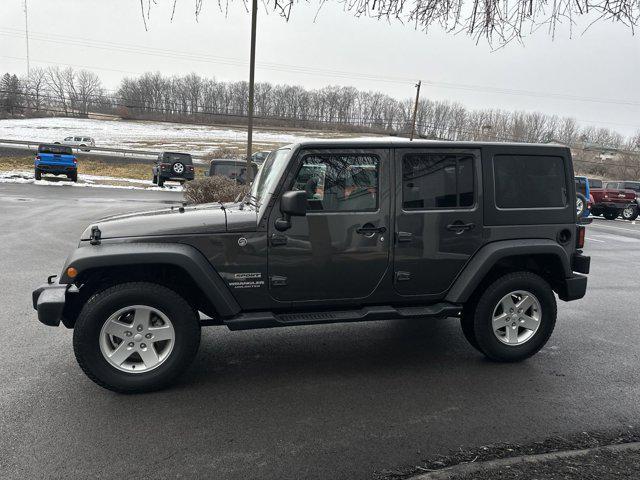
(487, 341)
(630, 213)
(160, 182)
(611, 214)
(467, 324)
(37, 174)
(97, 310)
(596, 212)
(581, 205)
(73, 177)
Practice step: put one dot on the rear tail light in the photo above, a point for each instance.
(75, 161)
(37, 157)
(580, 233)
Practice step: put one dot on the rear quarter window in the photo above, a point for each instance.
(529, 182)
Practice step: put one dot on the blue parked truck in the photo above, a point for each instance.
(57, 160)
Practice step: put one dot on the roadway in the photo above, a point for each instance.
(316, 402)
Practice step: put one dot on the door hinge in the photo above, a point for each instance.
(403, 276)
(278, 239)
(278, 281)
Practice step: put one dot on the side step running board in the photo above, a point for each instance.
(251, 320)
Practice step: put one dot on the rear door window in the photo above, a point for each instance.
(594, 183)
(437, 180)
(529, 182)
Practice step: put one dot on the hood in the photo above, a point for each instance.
(208, 218)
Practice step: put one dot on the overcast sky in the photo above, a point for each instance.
(601, 67)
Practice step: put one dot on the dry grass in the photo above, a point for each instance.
(136, 171)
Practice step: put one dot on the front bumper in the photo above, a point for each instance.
(49, 300)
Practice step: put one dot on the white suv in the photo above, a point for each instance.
(79, 142)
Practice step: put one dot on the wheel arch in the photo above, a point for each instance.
(543, 257)
(177, 266)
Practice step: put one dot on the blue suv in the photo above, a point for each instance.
(57, 160)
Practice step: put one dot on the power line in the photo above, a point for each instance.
(68, 40)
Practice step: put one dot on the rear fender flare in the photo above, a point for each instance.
(487, 257)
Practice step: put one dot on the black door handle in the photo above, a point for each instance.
(369, 229)
(460, 227)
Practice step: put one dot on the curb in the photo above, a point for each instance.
(448, 473)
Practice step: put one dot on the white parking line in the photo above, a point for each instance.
(635, 230)
(614, 238)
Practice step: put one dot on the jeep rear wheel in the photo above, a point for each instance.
(136, 337)
(514, 317)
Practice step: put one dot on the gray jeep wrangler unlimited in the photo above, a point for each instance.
(331, 231)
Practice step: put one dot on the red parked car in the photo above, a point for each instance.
(610, 202)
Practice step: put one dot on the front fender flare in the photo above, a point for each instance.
(188, 258)
(484, 260)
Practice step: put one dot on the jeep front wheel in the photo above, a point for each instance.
(136, 337)
(611, 214)
(514, 317)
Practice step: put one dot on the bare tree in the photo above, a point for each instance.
(498, 21)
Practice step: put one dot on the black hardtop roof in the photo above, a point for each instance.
(406, 143)
(176, 153)
(230, 160)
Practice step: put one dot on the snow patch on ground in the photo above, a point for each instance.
(19, 176)
(198, 139)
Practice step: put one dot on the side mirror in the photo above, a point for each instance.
(292, 204)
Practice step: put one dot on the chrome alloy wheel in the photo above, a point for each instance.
(579, 205)
(516, 318)
(178, 167)
(627, 213)
(137, 339)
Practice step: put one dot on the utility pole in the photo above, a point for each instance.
(26, 29)
(415, 111)
(252, 71)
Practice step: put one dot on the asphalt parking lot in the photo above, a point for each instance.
(317, 402)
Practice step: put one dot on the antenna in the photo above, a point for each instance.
(26, 29)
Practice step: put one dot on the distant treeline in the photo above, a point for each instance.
(192, 98)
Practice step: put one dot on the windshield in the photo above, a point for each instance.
(632, 186)
(55, 149)
(268, 176)
(178, 157)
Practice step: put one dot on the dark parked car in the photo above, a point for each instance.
(56, 160)
(260, 157)
(342, 231)
(233, 169)
(173, 166)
